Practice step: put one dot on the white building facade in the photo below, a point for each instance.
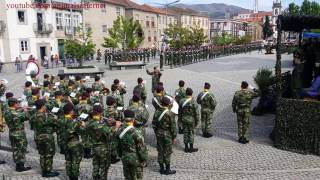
(33, 30)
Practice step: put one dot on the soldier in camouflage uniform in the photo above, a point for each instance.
(97, 85)
(44, 125)
(208, 104)
(241, 104)
(158, 95)
(140, 89)
(86, 108)
(164, 127)
(115, 94)
(31, 104)
(15, 118)
(101, 135)
(180, 94)
(27, 91)
(141, 114)
(59, 102)
(74, 151)
(2, 109)
(190, 120)
(156, 75)
(113, 116)
(132, 150)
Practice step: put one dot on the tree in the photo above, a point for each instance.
(82, 46)
(223, 39)
(267, 28)
(178, 36)
(293, 9)
(181, 37)
(125, 33)
(197, 36)
(305, 8)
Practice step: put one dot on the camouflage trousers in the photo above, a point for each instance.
(61, 141)
(243, 119)
(132, 171)
(73, 157)
(86, 142)
(114, 147)
(164, 148)
(206, 121)
(188, 133)
(180, 120)
(19, 146)
(46, 148)
(101, 162)
(141, 130)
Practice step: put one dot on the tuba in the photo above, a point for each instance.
(32, 67)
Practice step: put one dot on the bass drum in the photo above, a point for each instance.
(32, 67)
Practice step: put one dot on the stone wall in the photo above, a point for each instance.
(298, 126)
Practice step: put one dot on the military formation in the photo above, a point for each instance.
(92, 121)
(189, 55)
(117, 55)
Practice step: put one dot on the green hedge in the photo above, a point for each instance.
(298, 126)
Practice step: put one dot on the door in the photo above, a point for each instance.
(42, 53)
(40, 21)
(61, 48)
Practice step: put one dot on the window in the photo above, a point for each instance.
(104, 28)
(159, 20)
(104, 9)
(149, 36)
(170, 19)
(136, 17)
(76, 20)
(24, 46)
(155, 39)
(190, 20)
(22, 17)
(118, 11)
(152, 22)
(59, 21)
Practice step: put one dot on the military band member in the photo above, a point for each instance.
(164, 127)
(132, 150)
(180, 94)
(190, 120)
(141, 114)
(44, 126)
(156, 75)
(15, 117)
(208, 104)
(140, 90)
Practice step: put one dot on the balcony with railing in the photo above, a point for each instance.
(2, 27)
(43, 28)
(70, 30)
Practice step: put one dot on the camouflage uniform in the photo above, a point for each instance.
(141, 116)
(44, 126)
(101, 135)
(132, 151)
(190, 118)
(208, 104)
(15, 120)
(84, 107)
(180, 94)
(142, 92)
(241, 104)
(74, 150)
(156, 101)
(111, 112)
(164, 127)
(155, 79)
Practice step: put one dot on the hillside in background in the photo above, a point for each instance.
(216, 10)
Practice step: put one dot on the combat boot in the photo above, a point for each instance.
(49, 174)
(241, 140)
(209, 135)
(193, 149)
(114, 159)
(2, 162)
(169, 171)
(162, 171)
(186, 148)
(20, 167)
(87, 153)
(73, 178)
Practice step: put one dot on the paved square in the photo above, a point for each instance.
(220, 157)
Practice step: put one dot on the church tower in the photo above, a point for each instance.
(276, 11)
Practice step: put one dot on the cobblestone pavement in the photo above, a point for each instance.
(220, 157)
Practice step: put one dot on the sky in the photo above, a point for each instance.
(264, 5)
